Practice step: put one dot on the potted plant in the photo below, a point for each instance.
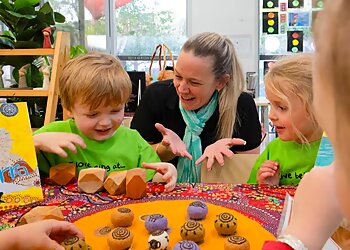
(25, 21)
(77, 50)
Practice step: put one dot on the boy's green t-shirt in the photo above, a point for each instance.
(295, 160)
(126, 149)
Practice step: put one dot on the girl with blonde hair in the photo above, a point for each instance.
(287, 158)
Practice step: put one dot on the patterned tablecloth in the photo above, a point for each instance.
(263, 204)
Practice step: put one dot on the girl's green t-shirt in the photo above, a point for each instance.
(295, 160)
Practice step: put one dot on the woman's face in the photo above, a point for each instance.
(194, 80)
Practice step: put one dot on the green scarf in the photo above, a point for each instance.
(187, 171)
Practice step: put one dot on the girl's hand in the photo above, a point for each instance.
(56, 142)
(269, 173)
(218, 150)
(168, 172)
(172, 142)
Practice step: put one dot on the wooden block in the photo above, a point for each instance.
(42, 213)
(116, 183)
(91, 180)
(136, 183)
(63, 173)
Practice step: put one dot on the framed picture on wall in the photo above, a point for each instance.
(299, 19)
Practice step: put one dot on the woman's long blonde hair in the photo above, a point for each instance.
(221, 49)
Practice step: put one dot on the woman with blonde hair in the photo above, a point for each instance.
(200, 113)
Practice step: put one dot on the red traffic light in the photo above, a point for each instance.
(295, 35)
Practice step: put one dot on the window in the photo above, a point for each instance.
(71, 10)
(129, 29)
(143, 24)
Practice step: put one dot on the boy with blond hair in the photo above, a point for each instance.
(94, 89)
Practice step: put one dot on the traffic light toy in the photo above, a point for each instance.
(270, 4)
(295, 4)
(270, 22)
(295, 41)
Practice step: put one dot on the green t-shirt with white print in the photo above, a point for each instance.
(295, 160)
(126, 149)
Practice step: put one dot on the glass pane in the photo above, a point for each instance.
(70, 10)
(95, 25)
(142, 24)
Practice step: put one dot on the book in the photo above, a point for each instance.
(19, 173)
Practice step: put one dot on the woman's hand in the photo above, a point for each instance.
(218, 150)
(168, 172)
(269, 173)
(56, 142)
(172, 143)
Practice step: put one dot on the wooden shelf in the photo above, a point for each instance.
(26, 52)
(60, 55)
(23, 92)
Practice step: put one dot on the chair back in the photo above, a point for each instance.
(236, 170)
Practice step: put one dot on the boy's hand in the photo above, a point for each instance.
(218, 150)
(269, 173)
(172, 142)
(56, 142)
(168, 172)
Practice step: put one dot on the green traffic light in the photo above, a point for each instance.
(295, 3)
(295, 49)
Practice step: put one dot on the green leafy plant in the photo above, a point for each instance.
(77, 50)
(25, 20)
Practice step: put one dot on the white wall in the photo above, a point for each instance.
(237, 19)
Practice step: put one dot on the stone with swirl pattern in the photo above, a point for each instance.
(75, 243)
(120, 238)
(186, 245)
(236, 243)
(225, 224)
(156, 222)
(122, 217)
(197, 210)
(192, 230)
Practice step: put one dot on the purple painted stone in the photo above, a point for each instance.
(156, 222)
(197, 210)
(186, 245)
